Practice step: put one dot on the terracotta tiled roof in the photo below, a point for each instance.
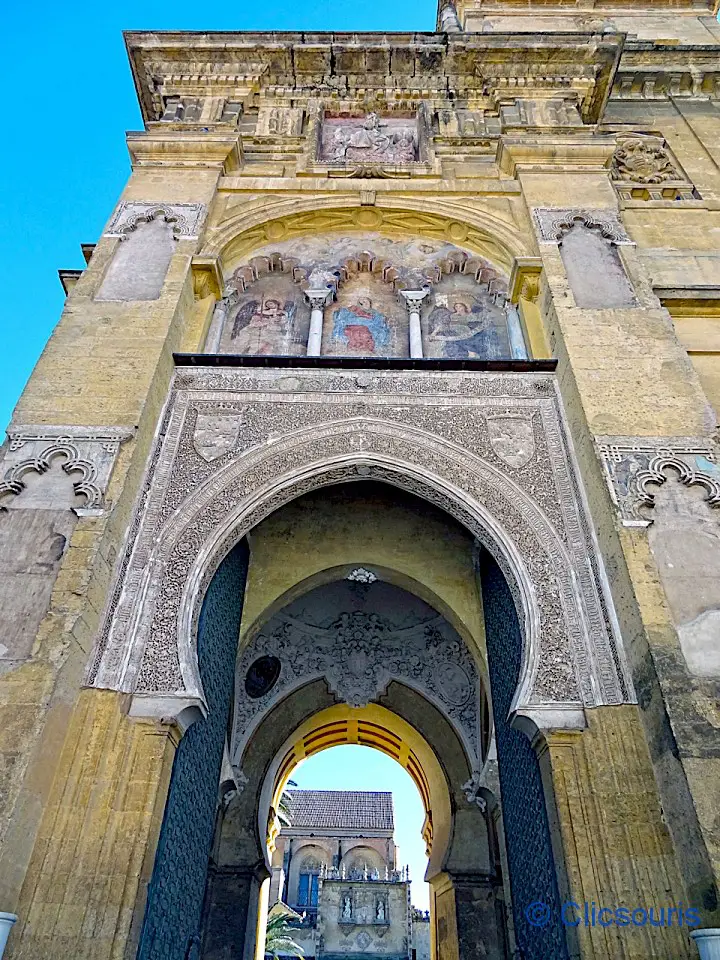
(341, 809)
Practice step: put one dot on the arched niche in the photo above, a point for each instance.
(354, 283)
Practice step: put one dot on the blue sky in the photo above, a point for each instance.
(64, 164)
(64, 159)
(362, 768)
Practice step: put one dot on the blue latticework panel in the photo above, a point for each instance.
(175, 895)
(527, 832)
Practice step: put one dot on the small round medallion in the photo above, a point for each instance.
(262, 676)
(452, 682)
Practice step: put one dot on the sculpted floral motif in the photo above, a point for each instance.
(644, 160)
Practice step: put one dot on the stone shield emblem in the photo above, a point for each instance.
(215, 435)
(512, 439)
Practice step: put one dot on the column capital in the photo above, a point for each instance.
(413, 298)
(318, 297)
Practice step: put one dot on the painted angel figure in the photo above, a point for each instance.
(263, 327)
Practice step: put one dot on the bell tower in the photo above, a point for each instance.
(678, 21)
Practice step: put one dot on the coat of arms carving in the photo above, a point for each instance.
(512, 439)
(215, 435)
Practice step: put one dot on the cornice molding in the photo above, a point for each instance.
(423, 66)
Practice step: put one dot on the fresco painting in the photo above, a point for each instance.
(462, 318)
(270, 318)
(366, 321)
(463, 322)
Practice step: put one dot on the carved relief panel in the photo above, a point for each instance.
(644, 168)
(369, 139)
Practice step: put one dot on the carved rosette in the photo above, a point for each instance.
(635, 467)
(489, 449)
(85, 454)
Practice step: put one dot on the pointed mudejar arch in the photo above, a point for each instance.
(329, 469)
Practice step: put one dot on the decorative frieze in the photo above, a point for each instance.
(185, 218)
(490, 449)
(85, 455)
(635, 467)
(553, 223)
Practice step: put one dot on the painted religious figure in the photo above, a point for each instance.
(259, 324)
(464, 325)
(271, 318)
(362, 328)
(371, 138)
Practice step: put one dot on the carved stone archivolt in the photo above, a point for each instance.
(426, 433)
(86, 455)
(635, 467)
(553, 223)
(185, 218)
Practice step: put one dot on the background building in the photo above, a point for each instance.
(336, 866)
(385, 412)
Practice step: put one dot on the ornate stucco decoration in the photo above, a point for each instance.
(350, 141)
(553, 223)
(635, 467)
(426, 433)
(185, 218)
(85, 454)
(358, 654)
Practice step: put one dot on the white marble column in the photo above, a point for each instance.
(318, 298)
(212, 341)
(413, 301)
(518, 350)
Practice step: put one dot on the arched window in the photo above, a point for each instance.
(308, 883)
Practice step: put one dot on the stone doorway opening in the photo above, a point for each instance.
(384, 637)
(349, 861)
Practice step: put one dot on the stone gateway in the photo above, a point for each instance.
(385, 413)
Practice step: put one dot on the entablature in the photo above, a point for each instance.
(401, 69)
